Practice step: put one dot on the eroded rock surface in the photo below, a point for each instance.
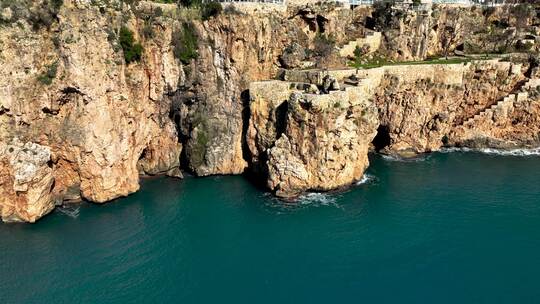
(26, 181)
(70, 90)
(306, 141)
(66, 85)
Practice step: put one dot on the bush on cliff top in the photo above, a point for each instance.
(132, 51)
(210, 9)
(190, 3)
(207, 9)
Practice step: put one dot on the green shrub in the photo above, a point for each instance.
(359, 53)
(185, 43)
(210, 9)
(56, 4)
(324, 46)
(49, 75)
(158, 12)
(132, 51)
(190, 3)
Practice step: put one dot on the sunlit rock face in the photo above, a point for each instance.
(306, 141)
(68, 88)
(26, 181)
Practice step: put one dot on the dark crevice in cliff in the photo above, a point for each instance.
(246, 113)
(257, 178)
(184, 161)
(533, 64)
(178, 99)
(143, 154)
(382, 139)
(49, 111)
(281, 118)
(321, 23)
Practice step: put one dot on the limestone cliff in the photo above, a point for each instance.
(423, 108)
(67, 88)
(419, 114)
(27, 180)
(324, 145)
(104, 92)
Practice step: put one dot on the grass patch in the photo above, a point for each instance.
(379, 62)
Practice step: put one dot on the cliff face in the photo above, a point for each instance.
(27, 172)
(302, 139)
(79, 120)
(236, 49)
(423, 108)
(421, 114)
(67, 89)
(66, 86)
(415, 34)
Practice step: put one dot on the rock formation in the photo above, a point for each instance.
(26, 182)
(302, 138)
(69, 90)
(114, 91)
(324, 145)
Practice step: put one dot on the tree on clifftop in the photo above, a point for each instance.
(452, 30)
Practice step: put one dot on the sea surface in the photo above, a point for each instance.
(459, 227)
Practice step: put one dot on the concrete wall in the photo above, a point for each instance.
(372, 39)
(255, 7)
(449, 74)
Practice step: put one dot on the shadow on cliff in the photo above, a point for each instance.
(382, 139)
(251, 174)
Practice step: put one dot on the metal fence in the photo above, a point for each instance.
(371, 2)
(256, 1)
(361, 2)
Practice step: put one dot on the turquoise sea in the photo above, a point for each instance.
(447, 228)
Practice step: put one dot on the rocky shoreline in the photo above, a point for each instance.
(264, 92)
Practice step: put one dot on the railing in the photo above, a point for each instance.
(467, 2)
(371, 2)
(361, 2)
(257, 1)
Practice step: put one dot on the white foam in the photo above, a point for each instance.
(367, 178)
(71, 210)
(317, 199)
(418, 158)
(511, 152)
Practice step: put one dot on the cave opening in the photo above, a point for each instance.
(370, 23)
(321, 23)
(382, 139)
(143, 154)
(281, 118)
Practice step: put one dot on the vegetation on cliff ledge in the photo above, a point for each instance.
(132, 50)
(185, 43)
(49, 75)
